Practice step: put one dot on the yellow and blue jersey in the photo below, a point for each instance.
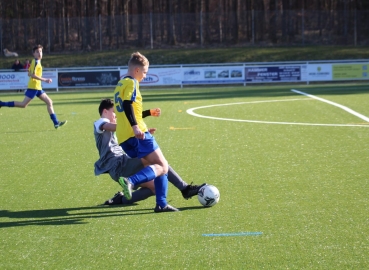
(128, 89)
(35, 68)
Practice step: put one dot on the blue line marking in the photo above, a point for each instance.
(234, 234)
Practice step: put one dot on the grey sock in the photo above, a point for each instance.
(138, 195)
(175, 179)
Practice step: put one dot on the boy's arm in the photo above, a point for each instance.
(152, 112)
(128, 110)
(109, 127)
(112, 127)
(30, 74)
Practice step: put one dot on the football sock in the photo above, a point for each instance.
(161, 190)
(138, 195)
(143, 176)
(175, 179)
(54, 119)
(7, 104)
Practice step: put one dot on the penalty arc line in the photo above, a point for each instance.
(191, 112)
(334, 104)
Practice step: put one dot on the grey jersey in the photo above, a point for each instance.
(107, 146)
(112, 158)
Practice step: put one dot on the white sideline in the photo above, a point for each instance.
(334, 104)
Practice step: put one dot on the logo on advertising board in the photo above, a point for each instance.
(192, 72)
(7, 76)
(106, 79)
(66, 79)
(150, 78)
(88, 78)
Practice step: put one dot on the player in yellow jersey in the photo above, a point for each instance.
(34, 88)
(132, 132)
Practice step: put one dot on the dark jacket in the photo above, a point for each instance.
(17, 67)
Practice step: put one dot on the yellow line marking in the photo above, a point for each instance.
(190, 102)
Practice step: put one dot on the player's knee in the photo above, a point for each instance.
(23, 105)
(165, 167)
(49, 102)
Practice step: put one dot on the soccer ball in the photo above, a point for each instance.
(208, 195)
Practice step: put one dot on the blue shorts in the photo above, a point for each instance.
(31, 93)
(134, 147)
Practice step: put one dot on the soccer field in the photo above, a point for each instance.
(291, 167)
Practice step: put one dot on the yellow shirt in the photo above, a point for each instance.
(35, 68)
(127, 89)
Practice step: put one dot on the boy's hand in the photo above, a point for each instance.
(155, 112)
(152, 130)
(138, 133)
(48, 80)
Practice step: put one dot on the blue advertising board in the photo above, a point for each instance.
(272, 73)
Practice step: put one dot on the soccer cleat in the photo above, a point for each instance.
(127, 187)
(167, 208)
(60, 124)
(191, 190)
(117, 199)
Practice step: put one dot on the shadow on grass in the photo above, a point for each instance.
(199, 207)
(65, 217)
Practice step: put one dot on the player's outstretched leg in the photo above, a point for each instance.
(139, 195)
(117, 199)
(191, 190)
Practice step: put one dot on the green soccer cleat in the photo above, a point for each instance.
(60, 124)
(127, 187)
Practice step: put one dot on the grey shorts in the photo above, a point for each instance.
(126, 167)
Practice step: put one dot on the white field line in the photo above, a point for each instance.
(334, 104)
(191, 112)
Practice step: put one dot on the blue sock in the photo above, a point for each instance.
(161, 190)
(7, 104)
(53, 117)
(143, 176)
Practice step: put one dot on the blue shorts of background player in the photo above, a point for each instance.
(33, 93)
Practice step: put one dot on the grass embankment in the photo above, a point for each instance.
(197, 56)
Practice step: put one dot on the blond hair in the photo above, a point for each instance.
(138, 59)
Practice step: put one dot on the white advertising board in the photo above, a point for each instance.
(19, 80)
(53, 75)
(160, 76)
(13, 80)
(209, 75)
(316, 72)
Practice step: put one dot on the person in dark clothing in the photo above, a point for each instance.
(17, 66)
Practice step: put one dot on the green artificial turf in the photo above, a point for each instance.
(302, 188)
